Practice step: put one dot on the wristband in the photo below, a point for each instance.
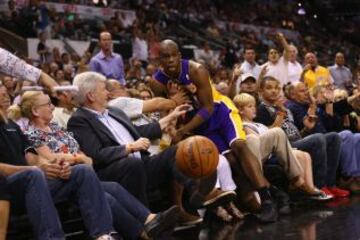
(204, 113)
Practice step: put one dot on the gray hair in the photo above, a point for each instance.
(86, 82)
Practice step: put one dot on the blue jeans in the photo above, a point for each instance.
(350, 154)
(129, 214)
(30, 188)
(325, 154)
(40, 194)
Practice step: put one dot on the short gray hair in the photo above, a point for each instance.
(86, 82)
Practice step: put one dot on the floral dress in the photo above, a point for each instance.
(58, 140)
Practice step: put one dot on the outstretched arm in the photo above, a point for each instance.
(16, 67)
(284, 44)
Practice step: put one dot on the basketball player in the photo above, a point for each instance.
(216, 117)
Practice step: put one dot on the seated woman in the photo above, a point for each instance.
(247, 108)
(131, 219)
(4, 207)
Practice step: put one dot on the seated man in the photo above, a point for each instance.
(118, 148)
(328, 115)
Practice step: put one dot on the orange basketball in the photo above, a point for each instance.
(197, 157)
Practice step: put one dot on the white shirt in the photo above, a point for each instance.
(259, 128)
(209, 57)
(61, 116)
(294, 71)
(14, 66)
(254, 69)
(121, 134)
(131, 106)
(278, 70)
(140, 49)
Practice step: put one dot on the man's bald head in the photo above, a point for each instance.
(104, 34)
(116, 89)
(170, 57)
(301, 93)
(168, 43)
(105, 41)
(339, 59)
(310, 58)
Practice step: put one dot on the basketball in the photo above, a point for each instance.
(197, 157)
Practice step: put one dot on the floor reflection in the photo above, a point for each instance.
(338, 220)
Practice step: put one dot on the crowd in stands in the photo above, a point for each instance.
(296, 105)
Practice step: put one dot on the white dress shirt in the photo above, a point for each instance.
(254, 69)
(294, 71)
(121, 134)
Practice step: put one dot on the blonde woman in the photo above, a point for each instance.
(247, 108)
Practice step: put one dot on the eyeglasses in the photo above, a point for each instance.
(48, 104)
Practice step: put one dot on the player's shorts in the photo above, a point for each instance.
(223, 127)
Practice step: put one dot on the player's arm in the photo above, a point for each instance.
(158, 88)
(200, 76)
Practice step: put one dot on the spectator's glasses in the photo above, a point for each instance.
(48, 104)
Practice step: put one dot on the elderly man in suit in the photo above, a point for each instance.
(119, 149)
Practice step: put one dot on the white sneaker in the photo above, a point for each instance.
(105, 237)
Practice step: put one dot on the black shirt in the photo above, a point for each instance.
(13, 144)
(266, 115)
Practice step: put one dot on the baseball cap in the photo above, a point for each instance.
(245, 76)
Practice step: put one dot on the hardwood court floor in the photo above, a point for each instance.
(335, 220)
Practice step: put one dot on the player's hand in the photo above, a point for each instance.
(179, 135)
